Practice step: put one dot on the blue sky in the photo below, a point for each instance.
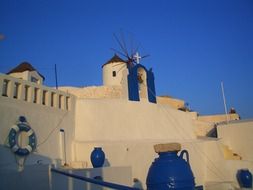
(193, 45)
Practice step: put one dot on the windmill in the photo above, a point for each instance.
(132, 57)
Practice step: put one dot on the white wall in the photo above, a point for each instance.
(238, 136)
(218, 169)
(127, 132)
(140, 154)
(119, 119)
(27, 75)
(45, 120)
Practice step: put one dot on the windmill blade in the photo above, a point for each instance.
(132, 46)
(124, 42)
(145, 56)
(119, 52)
(118, 64)
(121, 46)
(137, 48)
(120, 69)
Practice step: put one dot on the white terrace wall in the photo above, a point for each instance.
(47, 111)
(218, 169)
(128, 130)
(119, 119)
(238, 136)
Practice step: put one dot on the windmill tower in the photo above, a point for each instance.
(113, 71)
(136, 81)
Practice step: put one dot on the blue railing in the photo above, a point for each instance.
(95, 181)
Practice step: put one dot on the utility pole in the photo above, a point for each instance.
(224, 101)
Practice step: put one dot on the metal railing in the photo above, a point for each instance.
(95, 181)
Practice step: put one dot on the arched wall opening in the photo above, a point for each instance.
(142, 82)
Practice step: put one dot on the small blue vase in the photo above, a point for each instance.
(97, 157)
(244, 178)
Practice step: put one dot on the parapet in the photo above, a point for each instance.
(30, 92)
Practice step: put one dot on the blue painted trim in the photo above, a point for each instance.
(95, 181)
(12, 137)
(133, 89)
(151, 86)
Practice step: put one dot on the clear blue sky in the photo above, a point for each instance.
(194, 45)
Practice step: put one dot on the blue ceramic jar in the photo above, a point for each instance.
(170, 171)
(244, 178)
(97, 157)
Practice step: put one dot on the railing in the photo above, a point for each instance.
(34, 93)
(95, 181)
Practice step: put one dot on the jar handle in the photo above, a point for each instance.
(182, 155)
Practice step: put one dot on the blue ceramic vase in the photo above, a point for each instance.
(244, 178)
(97, 157)
(170, 171)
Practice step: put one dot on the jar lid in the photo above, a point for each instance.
(167, 147)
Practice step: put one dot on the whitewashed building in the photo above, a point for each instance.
(125, 117)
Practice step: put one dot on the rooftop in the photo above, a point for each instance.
(24, 66)
(114, 59)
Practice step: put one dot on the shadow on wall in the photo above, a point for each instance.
(34, 174)
(106, 163)
(213, 132)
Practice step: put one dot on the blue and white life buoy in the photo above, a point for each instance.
(13, 139)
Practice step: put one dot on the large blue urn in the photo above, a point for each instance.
(170, 170)
(244, 178)
(97, 157)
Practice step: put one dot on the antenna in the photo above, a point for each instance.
(55, 72)
(224, 100)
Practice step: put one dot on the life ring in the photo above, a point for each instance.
(13, 139)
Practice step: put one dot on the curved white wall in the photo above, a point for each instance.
(108, 78)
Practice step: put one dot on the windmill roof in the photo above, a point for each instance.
(24, 66)
(114, 59)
